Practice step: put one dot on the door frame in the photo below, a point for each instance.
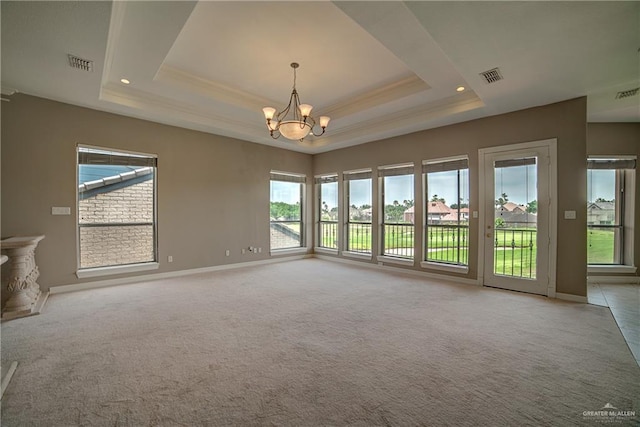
(552, 145)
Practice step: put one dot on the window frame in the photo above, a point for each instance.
(347, 177)
(403, 169)
(460, 162)
(319, 181)
(118, 268)
(300, 179)
(624, 212)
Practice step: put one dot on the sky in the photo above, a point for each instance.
(518, 182)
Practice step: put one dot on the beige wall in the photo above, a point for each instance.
(565, 121)
(213, 191)
(605, 139)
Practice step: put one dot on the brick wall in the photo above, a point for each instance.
(117, 245)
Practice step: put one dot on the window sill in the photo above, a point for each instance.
(358, 255)
(460, 269)
(288, 251)
(326, 251)
(116, 269)
(393, 260)
(622, 269)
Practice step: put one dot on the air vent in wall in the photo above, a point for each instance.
(80, 63)
(627, 93)
(491, 76)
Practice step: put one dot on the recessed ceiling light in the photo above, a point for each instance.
(460, 88)
(125, 81)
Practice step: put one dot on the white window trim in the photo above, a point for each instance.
(442, 266)
(126, 268)
(305, 215)
(358, 255)
(611, 268)
(286, 251)
(386, 259)
(628, 248)
(320, 249)
(116, 269)
(435, 265)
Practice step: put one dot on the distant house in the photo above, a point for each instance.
(436, 212)
(512, 207)
(601, 213)
(453, 215)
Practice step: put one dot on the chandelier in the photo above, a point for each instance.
(295, 121)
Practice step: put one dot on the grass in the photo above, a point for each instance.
(514, 254)
(600, 246)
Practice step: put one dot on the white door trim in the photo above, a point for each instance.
(552, 145)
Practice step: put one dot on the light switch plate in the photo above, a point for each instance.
(57, 210)
(569, 214)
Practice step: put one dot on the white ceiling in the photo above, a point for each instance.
(379, 69)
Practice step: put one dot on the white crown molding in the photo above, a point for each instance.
(406, 118)
(381, 95)
(118, 10)
(211, 89)
(142, 100)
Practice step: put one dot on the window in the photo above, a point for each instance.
(358, 214)
(327, 188)
(116, 208)
(610, 202)
(447, 211)
(396, 190)
(287, 199)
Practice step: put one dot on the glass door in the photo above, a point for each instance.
(516, 229)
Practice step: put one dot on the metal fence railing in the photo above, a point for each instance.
(328, 234)
(447, 244)
(359, 237)
(514, 252)
(398, 240)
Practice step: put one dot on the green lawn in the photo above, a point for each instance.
(514, 254)
(600, 244)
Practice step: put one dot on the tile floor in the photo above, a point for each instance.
(624, 302)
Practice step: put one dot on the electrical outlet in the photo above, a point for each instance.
(244, 251)
(259, 250)
(170, 258)
(227, 252)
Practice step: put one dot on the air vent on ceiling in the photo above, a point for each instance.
(627, 93)
(491, 76)
(80, 63)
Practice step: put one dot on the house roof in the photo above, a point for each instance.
(437, 208)
(213, 65)
(95, 179)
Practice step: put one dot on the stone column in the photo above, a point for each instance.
(23, 273)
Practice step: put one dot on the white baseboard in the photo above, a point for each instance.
(614, 280)
(435, 276)
(571, 297)
(146, 277)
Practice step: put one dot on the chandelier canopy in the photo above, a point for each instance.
(295, 121)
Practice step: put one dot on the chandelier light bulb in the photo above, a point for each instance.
(324, 121)
(268, 112)
(305, 110)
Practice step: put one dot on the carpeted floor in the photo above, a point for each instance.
(314, 342)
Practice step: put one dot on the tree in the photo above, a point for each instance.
(600, 200)
(435, 198)
(532, 207)
(462, 205)
(502, 200)
(499, 222)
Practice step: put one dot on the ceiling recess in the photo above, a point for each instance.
(492, 76)
(80, 63)
(627, 93)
